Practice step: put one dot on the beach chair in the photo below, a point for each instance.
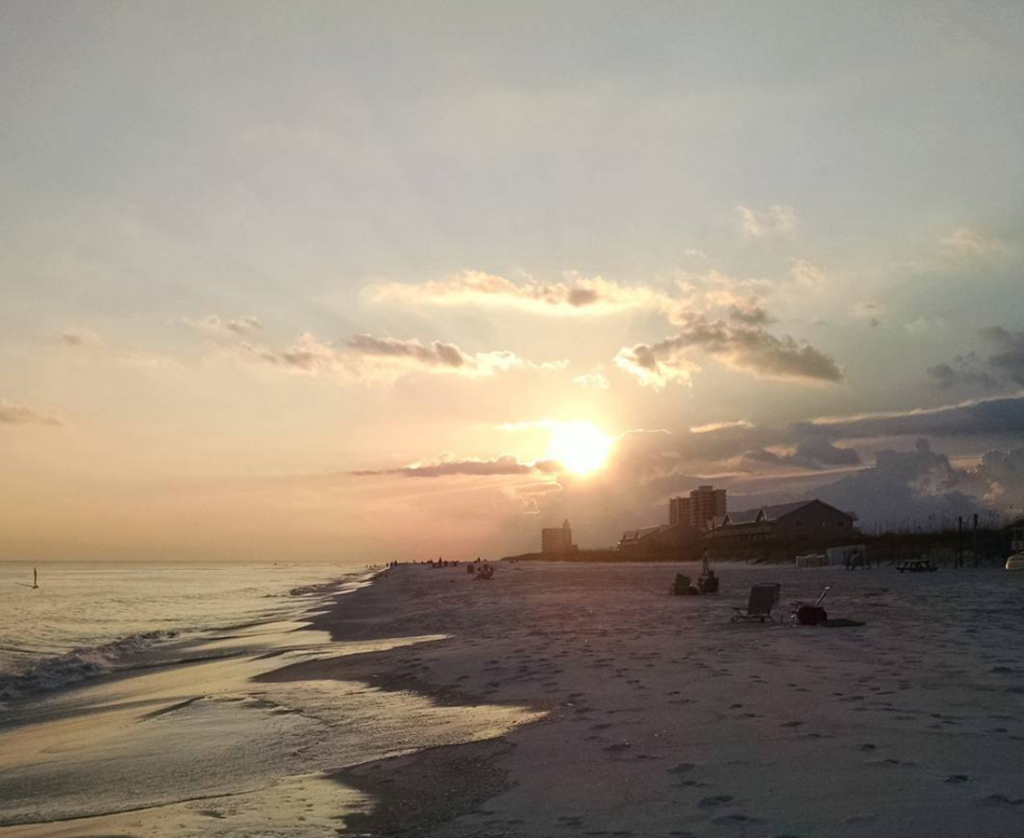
(682, 586)
(759, 606)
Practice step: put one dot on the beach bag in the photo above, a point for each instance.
(811, 615)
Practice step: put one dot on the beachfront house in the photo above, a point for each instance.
(781, 528)
(676, 542)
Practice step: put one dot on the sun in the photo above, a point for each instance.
(580, 447)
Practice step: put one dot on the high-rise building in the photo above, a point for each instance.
(556, 539)
(697, 510)
(679, 511)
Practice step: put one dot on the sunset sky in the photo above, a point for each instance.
(404, 279)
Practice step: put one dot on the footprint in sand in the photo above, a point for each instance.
(1001, 800)
(682, 768)
(618, 748)
(739, 817)
(791, 724)
(956, 779)
(714, 801)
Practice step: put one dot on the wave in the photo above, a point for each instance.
(78, 665)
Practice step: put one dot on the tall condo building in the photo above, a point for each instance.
(556, 539)
(697, 510)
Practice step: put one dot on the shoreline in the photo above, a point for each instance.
(567, 699)
(663, 718)
(173, 720)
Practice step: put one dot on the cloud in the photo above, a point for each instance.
(869, 310)
(1004, 366)
(436, 354)
(923, 325)
(370, 358)
(965, 370)
(447, 466)
(19, 414)
(740, 299)
(81, 338)
(815, 453)
(656, 366)
(1008, 358)
(594, 380)
(750, 311)
(982, 417)
(777, 221)
(976, 245)
(902, 488)
(749, 348)
(712, 427)
(807, 272)
(575, 295)
(214, 326)
(999, 477)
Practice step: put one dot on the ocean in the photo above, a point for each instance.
(88, 619)
(194, 700)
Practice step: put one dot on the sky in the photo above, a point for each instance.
(399, 280)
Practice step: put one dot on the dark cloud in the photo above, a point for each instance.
(918, 486)
(990, 417)
(747, 347)
(1002, 367)
(583, 296)
(816, 452)
(965, 370)
(19, 414)
(437, 354)
(999, 478)
(750, 312)
(1008, 359)
(366, 358)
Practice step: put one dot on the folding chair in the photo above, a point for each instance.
(759, 607)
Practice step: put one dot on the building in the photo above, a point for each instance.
(557, 539)
(699, 509)
(807, 520)
(676, 542)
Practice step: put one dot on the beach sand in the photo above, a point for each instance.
(571, 700)
(663, 718)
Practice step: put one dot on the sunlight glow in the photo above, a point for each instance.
(580, 447)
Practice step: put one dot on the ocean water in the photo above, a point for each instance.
(224, 715)
(87, 619)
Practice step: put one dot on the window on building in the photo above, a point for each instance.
(840, 523)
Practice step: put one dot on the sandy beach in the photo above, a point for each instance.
(665, 719)
(563, 700)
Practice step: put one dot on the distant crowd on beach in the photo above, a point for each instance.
(479, 569)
